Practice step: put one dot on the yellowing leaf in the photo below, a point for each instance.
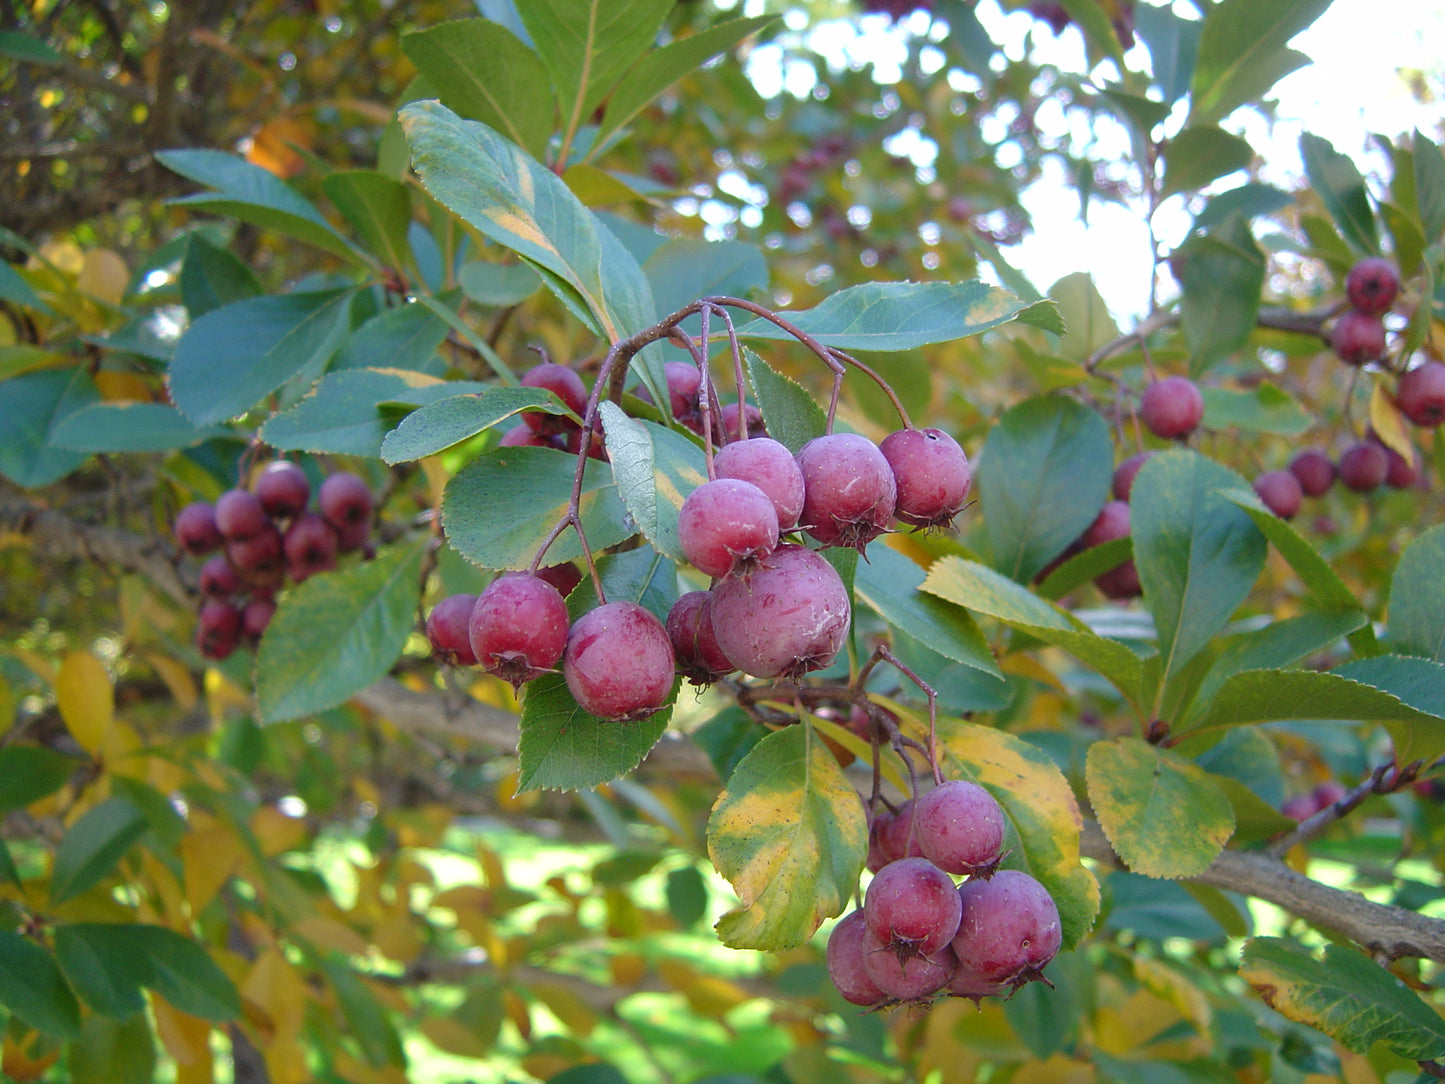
(122, 387)
(271, 147)
(186, 1037)
(275, 831)
(86, 701)
(560, 996)
(709, 995)
(278, 989)
(327, 933)
(1389, 424)
(177, 678)
(211, 857)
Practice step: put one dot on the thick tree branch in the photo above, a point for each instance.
(1389, 932)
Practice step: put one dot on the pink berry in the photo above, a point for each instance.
(846, 946)
(1009, 929)
(1358, 337)
(1281, 492)
(1125, 472)
(282, 488)
(518, 627)
(310, 545)
(1172, 408)
(700, 659)
(256, 618)
(566, 385)
(1421, 394)
(907, 977)
(219, 580)
(195, 529)
(619, 662)
(931, 473)
(912, 907)
(849, 490)
(448, 630)
(1372, 285)
(239, 514)
(346, 503)
(726, 524)
(768, 465)
(1364, 466)
(1314, 470)
(960, 827)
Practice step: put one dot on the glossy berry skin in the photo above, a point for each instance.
(1358, 337)
(1281, 492)
(282, 488)
(1421, 394)
(1364, 466)
(563, 577)
(896, 837)
(1372, 285)
(1172, 408)
(448, 630)
(700, 658)
(913, 906)
(195, 529)
(1122, 483)
(789, 615)
(908, 978)
(619, 663)
(849, 490)
(846, 947)
(346, 502)
(769, 465)
(518, 627)
(726, 524)
(566, 385)
(311, 546)
(1009, 929)
(1314, 470)
(239, 515)
(960, 827)
(931, 475)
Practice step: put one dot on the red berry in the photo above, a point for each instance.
(1121, 581)
(960, 827)
(931, 473)
(849, 490)
(1280, 491)
(1421, 394)
(563, 577)
(1009, 929)
(256, 618)
(347, 504)
(787, 616)
(1372, 285)
(239, 514)
(1400, 473)
(700, 659)
(1364, 466)
(726, 524)
(846, 947)
(311, 546)
(219, 580)
(619, 662)
(195, 528)
(518, 627)
(1358, 337)
(566, 385)
(753, 424)
(768, 465)
(448, 630)
(283, 489)
(912, 907)
(1124, 473)
(524, 436)
(683, 383)
(218, 629)
(1172, 408)
(1314, 470)
(258, 555)
(897, 837)
(907, 978)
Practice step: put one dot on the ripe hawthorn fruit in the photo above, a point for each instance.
(1358, 337)
(787, 616)
(256, 618)
(1122, 483)
(218, 629)
(684, 382)
(195, 529)
(849, 490)
(769, 465)
(219, 580)
(566, 385)
(912, 908)
(846, 947)
(239, 515)
(282, 488)
(1421, 394)
(752, 422)
(931, 475)
(960, 827)
(1009, 929)
(618, 662)
(1172, 408)
(727, 524)
(258, 554)
(448, 630)
(896, 835)
(1121, 581)
(1371, 286)
(1400, 473)
(910, 978)
(700, 658)
(1314, 470)
(563, 577)
(1281, 492)
(310, 545)
(346, 503)
(1364, 466)
(518, 627)
(524, 436)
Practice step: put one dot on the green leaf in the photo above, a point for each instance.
(1163, 815)
(897, 315)
(378, 208)
(588, 45)
(660, 68)
(565, 748)
(32, 987)
(683, 269)
(1242, 52)
(888, 583)
(790, 411)
(499, 508)
(92, 846)
(368, 1022)
(1041, 811)
(1417, 597)
(498, 285)
(1429, 184)
(406, 337)
(19, 46)
(1337, 181)
(981, 589)
(29, 773)
(1043, 474)
(113, 1052)
(790, 834)
(640, 575)
(212, 276)
(103, 966)
(1173, 45)
(440, 424)
(1248, 201)
(481, 70)
(343, 414)
(1222, 279)
(1346, 995)
(17, 290)
(184, 974)
(496, 187)
(1201, 154)
(1261, 409)
(1420, 685)
(9, 873)
(1198, 555)
(130, 427)
(233, 357)
(255, 195)
(32, 407)
(1407, 235)
(1086, 315)
(337, 633)
(655, 468)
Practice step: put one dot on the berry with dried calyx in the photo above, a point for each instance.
(912, 907)
(1371, 286)
(448, 630)
(518, 627)
(700, 658)
(847, 945)
(1008, 931)
(1421, 394)
(282, 488)
(931, 474)
(619, 662)
(239, 514)
(960, 827)
(195, 529)
(1358, 338)
(849, 491)
(769, 465)
(726, 525)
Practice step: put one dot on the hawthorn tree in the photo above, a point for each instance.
(559, 568)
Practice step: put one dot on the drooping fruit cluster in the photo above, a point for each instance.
(258, 539)
(918, 935)
(1358, 335)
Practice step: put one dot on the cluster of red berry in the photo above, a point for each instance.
(265, 535)
(918, 935)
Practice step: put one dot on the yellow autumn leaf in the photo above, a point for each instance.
(187, 1038)
(120, 387)
(211, 856)
(278, 990)
(1389, 424)
(275, 831)
(86, 700)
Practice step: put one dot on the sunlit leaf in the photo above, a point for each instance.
(440, 424)
(1242, 52)
(129, 427)
(791, 413)
(378, 208)
(563, 747)
(656, 469)
(1337, 181)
